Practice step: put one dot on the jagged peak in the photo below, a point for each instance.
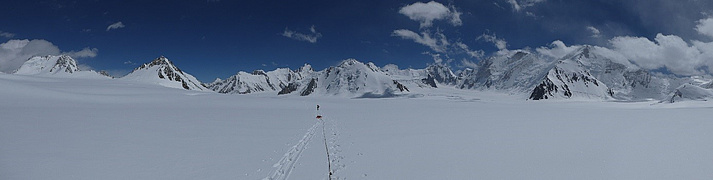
(160, 61)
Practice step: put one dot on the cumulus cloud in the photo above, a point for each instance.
(6, 34)
(705, 27)
(312, 37)
(437, 42)
(666, 51)
(519, 5)
(116, 25)
(14, 53)
(595, 32)
(426, 13)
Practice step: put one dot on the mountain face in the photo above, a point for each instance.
(56, 66)
(440, 74)
(689, 92)
(354, 77)
(570, 79)
(350, 78)
(62, 64)
(163, 72)
(517, 71)
(260, 81)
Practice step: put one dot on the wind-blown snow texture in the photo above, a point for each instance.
(74, 128)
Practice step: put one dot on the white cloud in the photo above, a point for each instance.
(6, 34)
(426, 13)
(519, 5)
(472, 53)
(705, 27)
(312, 29)
(595, 32)
(557, 49)
(116, 25)
(669, 51)
(312, 38)
(501, 44)
(437, 57)
(437, 42)
(14, 53)
(86, 52)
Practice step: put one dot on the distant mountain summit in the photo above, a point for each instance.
(259, 81)
(350, 78)
(56, 66)
(49, 64)
(589, 72)
(163, 72)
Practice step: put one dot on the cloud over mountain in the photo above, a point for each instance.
(426, 13)
(14, 53)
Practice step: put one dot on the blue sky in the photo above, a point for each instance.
(218, 38)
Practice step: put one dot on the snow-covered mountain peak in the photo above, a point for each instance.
(48, 65)
(351, 63)
(160, 61)
(162, 71)
(305, 68)
(441, 73)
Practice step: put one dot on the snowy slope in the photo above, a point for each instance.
(627, 80)
(689, 92)
(163, 72)
(69, 128)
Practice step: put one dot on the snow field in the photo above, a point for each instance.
(62, 128)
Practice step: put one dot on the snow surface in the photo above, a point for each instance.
(68, 128)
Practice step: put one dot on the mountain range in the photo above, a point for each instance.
(589, 72)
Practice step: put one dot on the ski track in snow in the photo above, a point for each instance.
(288, 161)
(334, 147)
